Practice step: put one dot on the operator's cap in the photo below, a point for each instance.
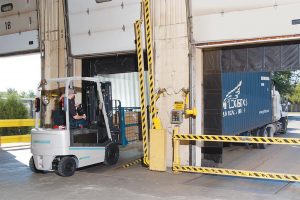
(72, 91)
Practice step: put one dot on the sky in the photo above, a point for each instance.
(22, 73)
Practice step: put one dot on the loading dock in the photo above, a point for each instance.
(174, 51)
(138, 182)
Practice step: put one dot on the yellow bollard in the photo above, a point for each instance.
(158, 150)
(176, 153)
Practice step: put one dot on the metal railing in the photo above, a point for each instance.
(130, 124)
(178, 167)
(12, 123)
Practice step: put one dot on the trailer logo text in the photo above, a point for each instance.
(232, 104)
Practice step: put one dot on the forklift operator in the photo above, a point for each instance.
(76, 120)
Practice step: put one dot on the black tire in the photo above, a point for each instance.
(66, 166)
(284, 122)
(270, 134)
(32, 166)
(111, 154)
(263, 133)
(269, 129)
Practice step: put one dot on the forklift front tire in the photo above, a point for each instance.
(66, 166)
(111, 154)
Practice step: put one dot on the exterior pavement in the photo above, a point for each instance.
(102, 182)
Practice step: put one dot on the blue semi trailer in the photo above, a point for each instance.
(251, 106)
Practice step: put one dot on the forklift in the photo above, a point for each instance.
(59, 145)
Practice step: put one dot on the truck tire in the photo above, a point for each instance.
(66, 166)
(263, 133)
(32, 166)
(111, 154)
(255, 134)
(284, 122)
(270, 132)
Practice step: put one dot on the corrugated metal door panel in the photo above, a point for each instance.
(102, 28)
(125, 87)
(14, 7)
(247, 101)
(247, 24)
(18, 26)
(17, 43)
(206, 7)
(19, 23)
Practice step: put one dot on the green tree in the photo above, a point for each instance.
(12, 107)
(28, 94)
(283, 83)
(295, 97)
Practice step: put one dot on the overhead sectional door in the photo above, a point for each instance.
(18, 26)
(102, 28)
(231, 21)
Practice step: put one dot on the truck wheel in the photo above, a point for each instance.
(255, 134)
(284, 122)
(263, 133)
(66, 166)
(111, 154)
(270, 132)
(32, 166)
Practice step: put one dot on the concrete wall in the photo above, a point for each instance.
(171, 62)
(52, 36)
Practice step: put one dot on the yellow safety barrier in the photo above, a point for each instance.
(15, 139)
(238, 173)
(177, 167)
(12, 123)
(132, 163)
(156, 123)
(238, 139)
(139, 49)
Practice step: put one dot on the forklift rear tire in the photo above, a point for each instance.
(32, 166)
(66, 166)
(111, 154)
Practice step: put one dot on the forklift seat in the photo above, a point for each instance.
(59, 118)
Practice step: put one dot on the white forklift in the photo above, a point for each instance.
(58, 142)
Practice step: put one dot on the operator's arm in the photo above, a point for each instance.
(79, 117)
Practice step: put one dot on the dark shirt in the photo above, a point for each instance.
(72, 108)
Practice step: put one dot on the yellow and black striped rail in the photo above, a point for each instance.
(177, 167)
(238, 173)
(130, 164)
(149, 46)
(141, 70)
(238, 139)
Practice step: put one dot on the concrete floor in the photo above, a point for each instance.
(101, 182)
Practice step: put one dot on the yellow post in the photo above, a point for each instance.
(156, 123)
(176, 153)
(139, 49)
(158, 150)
